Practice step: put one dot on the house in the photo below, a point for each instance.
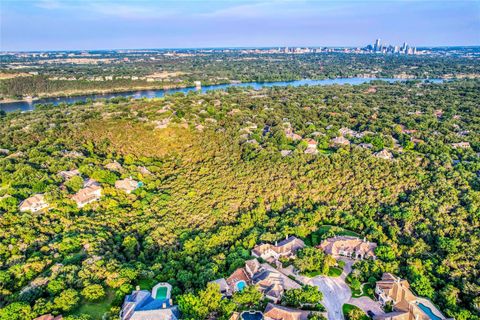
(311, 146)
(289, 132)
(276, 312)
(154, 305)
(224, 287)
(238, 280)
(366, 145)
(461, 145)
(347, 132)
(33, 204)
(90, 193)
(269, 281)
(143, 170)
(339, 141)
(286, 248)
(384, 154)
(285, 153)
(128, 185)
(406, 306)
(69, 174)
(49, 317)
(114, 166)
(351, 247)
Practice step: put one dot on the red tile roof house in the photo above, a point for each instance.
(49, 317)
(87, 195)
(33, 204)
(276, 312)
(351, 247)
(285, 248)
(339, 141)
(311, 146)
(128, 185)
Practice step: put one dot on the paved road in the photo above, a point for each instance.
(335, 294)
(366, 304)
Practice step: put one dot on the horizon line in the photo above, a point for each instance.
(221, 47)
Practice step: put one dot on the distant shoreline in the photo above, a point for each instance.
(169, 87)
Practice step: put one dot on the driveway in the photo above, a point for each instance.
(335, 294)
(366, 303)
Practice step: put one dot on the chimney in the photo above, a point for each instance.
(137, 288)
(286, 237)
(164, 305)
(276, 242)
(170, 301)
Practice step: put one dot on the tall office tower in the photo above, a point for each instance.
(377, 45)
(404, 47)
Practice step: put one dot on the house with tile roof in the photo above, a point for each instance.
(69, 174)
(406, 306)
(384, 154)
(33, 204)
(92, 192)
(269, 281)
(339, 141)
(49, 317)
(128, 185)
(351, 247)
(276, 312)
(285, 248)
(114, 166)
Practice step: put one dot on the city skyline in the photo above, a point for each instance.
(70, 25)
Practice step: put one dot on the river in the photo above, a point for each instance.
(30, 105)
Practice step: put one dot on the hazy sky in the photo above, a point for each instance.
(107, 24)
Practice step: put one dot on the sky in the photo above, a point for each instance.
(29, 25)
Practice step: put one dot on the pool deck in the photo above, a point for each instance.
(432, 307)
(162, 285)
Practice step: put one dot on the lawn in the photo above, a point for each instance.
(334, 272)
(96, 309)
(346, 308)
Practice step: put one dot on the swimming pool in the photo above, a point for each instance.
(240, 285)
(161, 293)
(252, 315)
(428, 312)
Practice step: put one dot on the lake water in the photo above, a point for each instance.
(30, 105)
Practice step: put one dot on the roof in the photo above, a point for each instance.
(114, 166)
(127, 184)
(237, 275)
(222, 283)
(346, 243)
(340, 140)
(84, 194)
(384, 154)
(398, 290)
(33, 201)
(290, 240)
(140, 305)
(49, 317)
(277, 312)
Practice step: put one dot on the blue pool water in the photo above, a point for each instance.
(240, 285)
(428, 312)
(252, 315)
